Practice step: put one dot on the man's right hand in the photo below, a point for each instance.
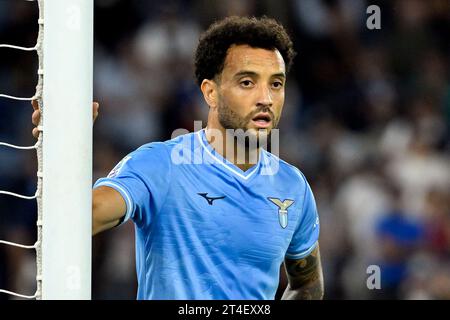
(36, 116)
(108, 205)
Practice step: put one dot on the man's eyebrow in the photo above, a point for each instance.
(245, 73)
(279, 75)
(254, 74)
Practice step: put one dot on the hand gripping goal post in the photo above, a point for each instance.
(64, 148)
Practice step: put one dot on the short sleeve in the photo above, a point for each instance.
(306, 235)
(142, 178)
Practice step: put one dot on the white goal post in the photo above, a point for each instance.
(67, 149)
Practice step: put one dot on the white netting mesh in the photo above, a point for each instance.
(38, 147)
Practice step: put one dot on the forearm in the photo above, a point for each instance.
(108, 209)
(311, 291)
(305, 278)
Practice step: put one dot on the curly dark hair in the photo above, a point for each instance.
(261, 32)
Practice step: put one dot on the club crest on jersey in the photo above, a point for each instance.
(114, 172)
(283, 207)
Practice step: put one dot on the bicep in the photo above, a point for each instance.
(305, 271)
(108, 209)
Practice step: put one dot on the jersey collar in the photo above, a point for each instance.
(229, 166)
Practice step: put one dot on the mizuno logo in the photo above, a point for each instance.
(210, 199)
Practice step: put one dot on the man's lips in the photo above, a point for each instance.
(262, 120)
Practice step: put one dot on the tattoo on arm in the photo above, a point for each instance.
(305, 277)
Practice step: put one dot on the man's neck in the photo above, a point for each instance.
(229, 148)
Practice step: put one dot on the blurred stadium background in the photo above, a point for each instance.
(366, 119)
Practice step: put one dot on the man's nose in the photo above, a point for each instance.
(265, 98)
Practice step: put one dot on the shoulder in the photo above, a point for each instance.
(160, 152)
(284, 170)
(147, 152)
(184, 141)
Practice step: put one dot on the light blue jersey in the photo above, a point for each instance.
(205, 229)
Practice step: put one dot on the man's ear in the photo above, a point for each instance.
(209, 89)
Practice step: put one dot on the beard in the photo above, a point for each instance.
(252, 137)
(229, 119)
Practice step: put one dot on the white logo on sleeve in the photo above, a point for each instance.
(114, 172)
(316, 223)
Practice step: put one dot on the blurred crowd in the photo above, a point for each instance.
(366, 119)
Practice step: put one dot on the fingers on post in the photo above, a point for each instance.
(35, 117)
(35, 104)
(35, 133)
(95, 107)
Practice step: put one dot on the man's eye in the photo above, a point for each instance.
(277, 85)
(246, 83)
